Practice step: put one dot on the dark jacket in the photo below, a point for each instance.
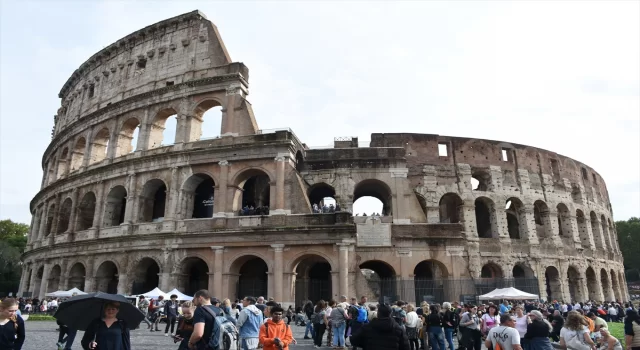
(381, 334)
(98, 330)
(10, 337)
(185, 329)
(171, 308)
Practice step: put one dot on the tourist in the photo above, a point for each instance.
(319, 322)
(522, 321)
(381, 333)
(290, 314)
(229, 313)
(575, 333)
(504, 334)
(538, 331)
(412, 326)
(399, 314)
(185, 325)
(330, 305)
(109, 332)
(249, 322)
(338, 321)
(12, 331)
(205, 325)
(143, 306)
(308, 310)
(275, 334)
(65, 343)
(434, 327)
(609, 342)
(472, 323)
(450, 321)
(598, 322)
(171, 312)
(632, 329)
(557, 322)
(490, 319)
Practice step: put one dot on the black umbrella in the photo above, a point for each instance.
(78, 312)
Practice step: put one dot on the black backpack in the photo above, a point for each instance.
(396, 314)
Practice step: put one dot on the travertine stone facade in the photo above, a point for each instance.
(460, 215)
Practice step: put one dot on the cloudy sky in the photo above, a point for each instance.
(563, 76)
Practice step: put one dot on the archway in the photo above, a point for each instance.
(516, 219)
(115, 207)
(163, 130)
(62, 163)
(322, 198)
(564, 221)
(616, 286)
(451, 208)
(428, 280)
(99, 146)
(582, 228)
(50, 216)
(606, 287)
(595, 228)
(198, 193)
(486, 221)
(491, 277)
(553, 284)
(313, 279)
(253, 193)
(379, 281)
(77, 276)
(252, 276)
(64, 216)
(77, 156)
(107, 278)
(195, 275)
(38, 282)
(207, 123)
(592, 284)
(86, 212)
(524, 279)
(54, 279)
(481, 180)
(146, 276)
(542, 219)
(575, 284)
(127, 137)
(152, 201)
(375, 189)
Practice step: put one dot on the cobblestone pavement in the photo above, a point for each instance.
(42, 335)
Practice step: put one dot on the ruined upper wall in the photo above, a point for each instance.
(169, 52)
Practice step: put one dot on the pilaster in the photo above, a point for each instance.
(278, 267)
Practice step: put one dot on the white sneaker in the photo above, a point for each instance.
(166, 334)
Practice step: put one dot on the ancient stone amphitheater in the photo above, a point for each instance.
(460, 216)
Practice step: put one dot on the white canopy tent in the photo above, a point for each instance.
(181, 296)
(65, 293)
(509, 294)
(155, 293)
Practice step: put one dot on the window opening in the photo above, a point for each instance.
(442, 150)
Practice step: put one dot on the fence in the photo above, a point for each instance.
(438, 290)
(312, 289)
(254, 287)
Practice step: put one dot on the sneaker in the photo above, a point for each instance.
(59, 345)
(166, 334)
(305, 337)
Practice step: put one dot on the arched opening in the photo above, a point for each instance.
(253, 194)
(481, 180)
(299, 161)
(51, 170)
(516, 218)
(38, 281)
(576, 193)
(553, 283)
(524, 279)
(152, 201)
(77, 157)
(107, 278)
(198, 192)
(491, 277)
(595, 228)
(379, 281)
(50, 216)
(54, 279)
(605, 232)
(86, 212)
(62, 163)
(312, 279)
(252, 276)
(64, 215)
(322, 198)
(575, 284)
(128, 137)
(207, 123)
(491, 271)
(564, 221)
(616, 286)
(606, 287)
(428, 281)
(374, 189)
(582, 228)
(163, 130)
(115, 207)
(146, 276)
(99, 146)
(195, 275)
(486, 221)
(77, 276)
(542, 219)
(592, 284)
(450, 208)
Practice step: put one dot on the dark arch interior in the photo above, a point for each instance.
(318, 192)
(518, 272)
(146, 276)
(482, 180)
(450, 207)
(115, 206)
(256, 193)
(483, 218)
(50, 216)
(552, 279)
(77, 276)
(54, 279)
(313, 279)
(203, 199)
(513, 208)
(428, 281)
(64, 216)
(196, 274)
(490, 271)
(299, 161)
(107, 278)
(86, 212)
(376, 189)
(253, 278)
(152, 201)
(381, 280)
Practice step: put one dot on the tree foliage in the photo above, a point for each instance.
(629, 240)
(13, 241)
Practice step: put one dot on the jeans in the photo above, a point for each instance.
(71, 336)
(448, 334)
(170, 320)
(436, 338)
(309, 329)
(338, 334)
(146, 320)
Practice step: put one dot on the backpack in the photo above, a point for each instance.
(396, 314)
(362, 314)
(216, 340)
(316, 318)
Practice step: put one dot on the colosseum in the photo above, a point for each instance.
(235, 213)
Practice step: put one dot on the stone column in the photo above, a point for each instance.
(23, 277)
(212, 282)
(64, 276)
(167, 265)
(56, 219)
(31, 227)
(343, 265)
(32, 282)
(468, 219)
(45, 280)
(530, 225)
(281, 159)
(173, 195)
(98, 215)
(221, 196)
(113, 143)
(398, 201)
(87, 150)
(43, 220)
(74, 208)
(131, 211)
(217, 270)
(89, 278)
(123, 282)
(143, 133)
(278, 270)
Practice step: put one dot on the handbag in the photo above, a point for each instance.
(577, 342)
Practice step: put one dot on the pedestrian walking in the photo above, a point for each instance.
(381, 333)
(249, 322)
(171, 312)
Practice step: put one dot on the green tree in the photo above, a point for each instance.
(629, 240)
(13, 241)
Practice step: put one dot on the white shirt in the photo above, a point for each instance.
(521, 325)
(567, 334)
(412, 319)
(613, 311)
(505, 336)
(564, 308)
(54, 303)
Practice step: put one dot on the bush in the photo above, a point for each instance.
(34, 317)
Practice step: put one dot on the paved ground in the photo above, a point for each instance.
(42, 335)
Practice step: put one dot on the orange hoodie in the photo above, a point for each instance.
(271, 330)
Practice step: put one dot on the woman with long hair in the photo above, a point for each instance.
(434, 327)
(522, 321)
(319, 322)
(12, 332)
(413, 322)
(575, 334)
(185, 325)
(538, 331)
(608, 341)
(632, 329)
(490, 319)
(108, 332)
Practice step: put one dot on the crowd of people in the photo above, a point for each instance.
(324, 209)
(248, 210)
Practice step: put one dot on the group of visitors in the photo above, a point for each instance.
(35, 305)
(248, 210)
(324, 209)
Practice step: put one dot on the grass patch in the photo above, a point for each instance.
(617, 330)
(41, 318)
